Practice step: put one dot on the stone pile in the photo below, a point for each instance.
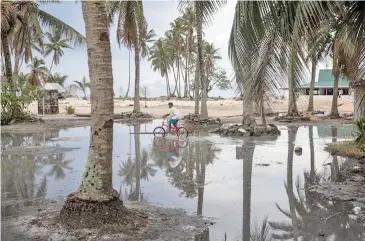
(290, 119)
(253, 130)
(135, 115)
(195, 119)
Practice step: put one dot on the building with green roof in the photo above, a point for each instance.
(324, 85)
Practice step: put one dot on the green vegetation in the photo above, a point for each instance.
(70, 110)
(347, 149)
(15, 102)
(359, 133)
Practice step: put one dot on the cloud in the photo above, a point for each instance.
(158, 14)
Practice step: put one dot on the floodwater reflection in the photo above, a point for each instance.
(251, 188)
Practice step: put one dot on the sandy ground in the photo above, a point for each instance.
(219, 108)
(37, 224)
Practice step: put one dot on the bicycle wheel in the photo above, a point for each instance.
(159, 131)
(182, 132)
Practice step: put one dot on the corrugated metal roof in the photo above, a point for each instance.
(54, 86)
(326, 80)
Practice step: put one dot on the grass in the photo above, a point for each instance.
(346, 149)
(70, 110)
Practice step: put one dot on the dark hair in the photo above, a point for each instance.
(170, 103)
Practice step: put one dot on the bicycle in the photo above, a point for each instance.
(180, 131)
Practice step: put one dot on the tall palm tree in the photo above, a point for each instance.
(38, 73)
(96, 183)
(57, 78)
(83, 85)
(131, 32)
(56, 45)
(160, 60)
(204, 10)
(189, 24)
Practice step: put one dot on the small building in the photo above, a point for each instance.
(324, 85)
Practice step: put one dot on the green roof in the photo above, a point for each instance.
(326, 131)
(325, 80)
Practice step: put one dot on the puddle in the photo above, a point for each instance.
(246, 187)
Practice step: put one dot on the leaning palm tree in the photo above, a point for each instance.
(204, 10)
(56, 45)
(38, 73)
(83, 85)
(96, 202)
(132, 33)
(27, 19)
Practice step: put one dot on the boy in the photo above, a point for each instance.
(174, 116)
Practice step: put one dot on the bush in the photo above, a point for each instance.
(359, 133)
(70, 110)
(15, 102)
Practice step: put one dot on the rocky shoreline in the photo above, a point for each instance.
(254, 130)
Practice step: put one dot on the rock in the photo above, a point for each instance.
(321, 233)
(298, 149)
(241, 130)
(356, 210)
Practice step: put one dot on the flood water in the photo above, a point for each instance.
(253, 187)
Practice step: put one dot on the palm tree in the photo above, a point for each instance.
(57, 78)
(211, 54)
(56, 45)
(83, 85)
(160, 61)
(266, 46)
(38, 73)
(132, 33)
(59, 165)
(189, 24)
(26, 18)
(204, 11)
(96, 183)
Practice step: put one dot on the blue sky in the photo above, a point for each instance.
(159, 14)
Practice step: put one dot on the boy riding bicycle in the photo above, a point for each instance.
(174, 116)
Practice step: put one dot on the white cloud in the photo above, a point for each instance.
(158, 14)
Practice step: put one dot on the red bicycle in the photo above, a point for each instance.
(179, 131)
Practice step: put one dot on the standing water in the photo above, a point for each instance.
(249, 189)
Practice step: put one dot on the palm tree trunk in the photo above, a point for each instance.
(7, 59)
(359, 99)
(137, 107)
(50, 69)
(290, 189)
(137, 149)
(17, 57)
(292, 104)
(186, 72)
(129, 72)
(204, 107)
(263, 119)
(196, 89)
(96, 190)
(334, 108)
(313, 79)
(311, 147)
(248, 152)
(173, 71)
(178, 79)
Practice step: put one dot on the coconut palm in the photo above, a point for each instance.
(211, 54)
(96, 183)
(57, 78)
(55, 46)
(26, 18)
(189, 24)
(160, 61)
(266, 47)
(83, 85)
(204, 10)
(38, 72)
(131, 32)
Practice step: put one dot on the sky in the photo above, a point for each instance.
(158, 14)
